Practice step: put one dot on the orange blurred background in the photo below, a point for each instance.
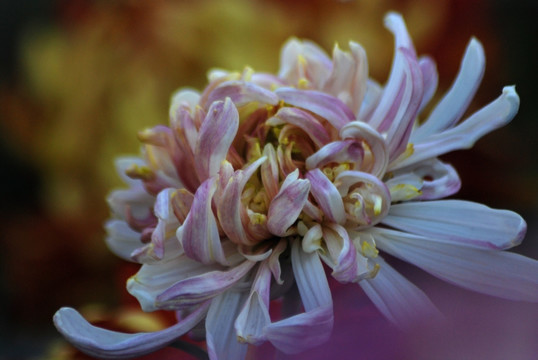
(79, 78)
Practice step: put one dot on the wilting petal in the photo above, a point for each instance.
(464, 135)
(327, 196)
(121, 239)
(303, 120)
(459, 222)
(322, 104)
(199, 235)
(230, 208)
(254, 315)
(361, 131)
(309, 329)
(197, 289)
(216, 135)
(222, 342)
(274, 263)
(451, 108)
(498, 273)
(106, 344)
(242, 93)
(287, 204)
(398, 299)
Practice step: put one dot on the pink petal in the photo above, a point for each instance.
(287, 204)
(327, 196)
(242, 93)
(303, 120)
(322, 104)
(199, 235)
(216, 135)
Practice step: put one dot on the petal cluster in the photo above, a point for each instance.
(260, 181)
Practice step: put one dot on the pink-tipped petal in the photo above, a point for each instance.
(199, 235)
(242, 93)
(216, 135)
(322, 104)
(287, 204)
(327, 196)
(342, 255)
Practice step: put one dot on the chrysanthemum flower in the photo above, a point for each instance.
(261, 179)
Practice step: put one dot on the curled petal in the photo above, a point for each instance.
(398, 299)
(342, 255)
(242, 93)
(459, 222)
(106, 344)
(396, 24)
(376, 143)
(327, 196)
(498, 273)
(337, 151)
(216, 135)
(496, 114)
(322, 104)
(230, 209)
(457, 99)
(199, 235)
(287, 204)
(197, 289)
(303, 120)
(121, 239)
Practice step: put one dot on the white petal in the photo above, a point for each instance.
(455, 102)
(106, 344)
(221, 337)
(498, 273)
(459, 222)
(121, 239)
(397, 298)
(463, 136)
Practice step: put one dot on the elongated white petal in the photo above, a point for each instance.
(106, 344)
(397, 298)
(396, 24)
(313, 327)
(197, 289)
(216, 135)
(254, 315)
(121, 239)
(327, 196)
(322, 104)
(496, 114)
(457, 99)
(199, 234)
(287, 204)
(153, 279)
(498, 273)
(342, 255)
(222, 343)
(459, 222)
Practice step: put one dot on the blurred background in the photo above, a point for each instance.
(79, 78)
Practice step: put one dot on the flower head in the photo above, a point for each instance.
(261, 179)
